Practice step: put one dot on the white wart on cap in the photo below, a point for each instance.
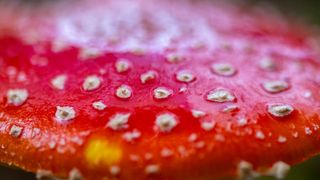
(59, 81)
(275, 86)
(122, 65)
(91, 83)
(17, 97)
(220, 95)
(119, 121)
(161, 93)
(65, 113)
(280, 110)
(123, 92)
(99, 105)
(185, 76)
(165, 122)
(148, 77)
(223, 69)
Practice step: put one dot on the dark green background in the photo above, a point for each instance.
(302, 10)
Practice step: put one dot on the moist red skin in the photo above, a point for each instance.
(217, 158)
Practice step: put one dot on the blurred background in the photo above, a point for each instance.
(306, 11)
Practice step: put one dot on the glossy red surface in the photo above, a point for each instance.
(166, 39)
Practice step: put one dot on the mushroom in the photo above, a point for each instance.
(155, 90)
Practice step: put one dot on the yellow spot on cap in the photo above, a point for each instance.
(101, 152)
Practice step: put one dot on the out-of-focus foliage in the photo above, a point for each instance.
(9, 173)
(307, 10)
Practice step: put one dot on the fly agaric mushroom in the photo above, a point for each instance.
(155, 90)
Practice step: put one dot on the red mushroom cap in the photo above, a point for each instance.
(155, 90)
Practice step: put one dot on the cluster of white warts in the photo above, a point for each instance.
(164, 122)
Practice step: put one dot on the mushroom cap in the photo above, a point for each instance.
(161, 90)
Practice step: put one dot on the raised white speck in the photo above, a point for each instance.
(245, 171)
(282, 139)
(230, 108)
(62, 142)
(138, 51)
(124, 92)
(17, 97)
(219, 137)
(152, 169)
(59, 81)
(280, 110)
(307, 94)
(275, 86)
(260, 135)
(131, 136)
(134, 157)
(192, 137)
(44, 174)
(223, 69)
(89, 53)
(58, 46)
(122, 65)
(148, 77)
(91, 83)
(65, 113)
(308, 131)
(114, 170)
(198, 45)
(35, 132)
(99, 105)
(102, 71)
(267, 64)
(220, 95)
(183, 151)
(165, 122)
(207, 125)
(162, 93)
(197, 113)
(199, 144)
(185, 76)
(119, 121)
(148, 156)
(15, 131)
(295, 134)
(11, 71)
(174, 58)
(22, 77)
(279, 170)
(75, 174)
(166, 152)
(78, 140)
(39, 61)
(242, 121)
(183, 89)
(52, 144)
